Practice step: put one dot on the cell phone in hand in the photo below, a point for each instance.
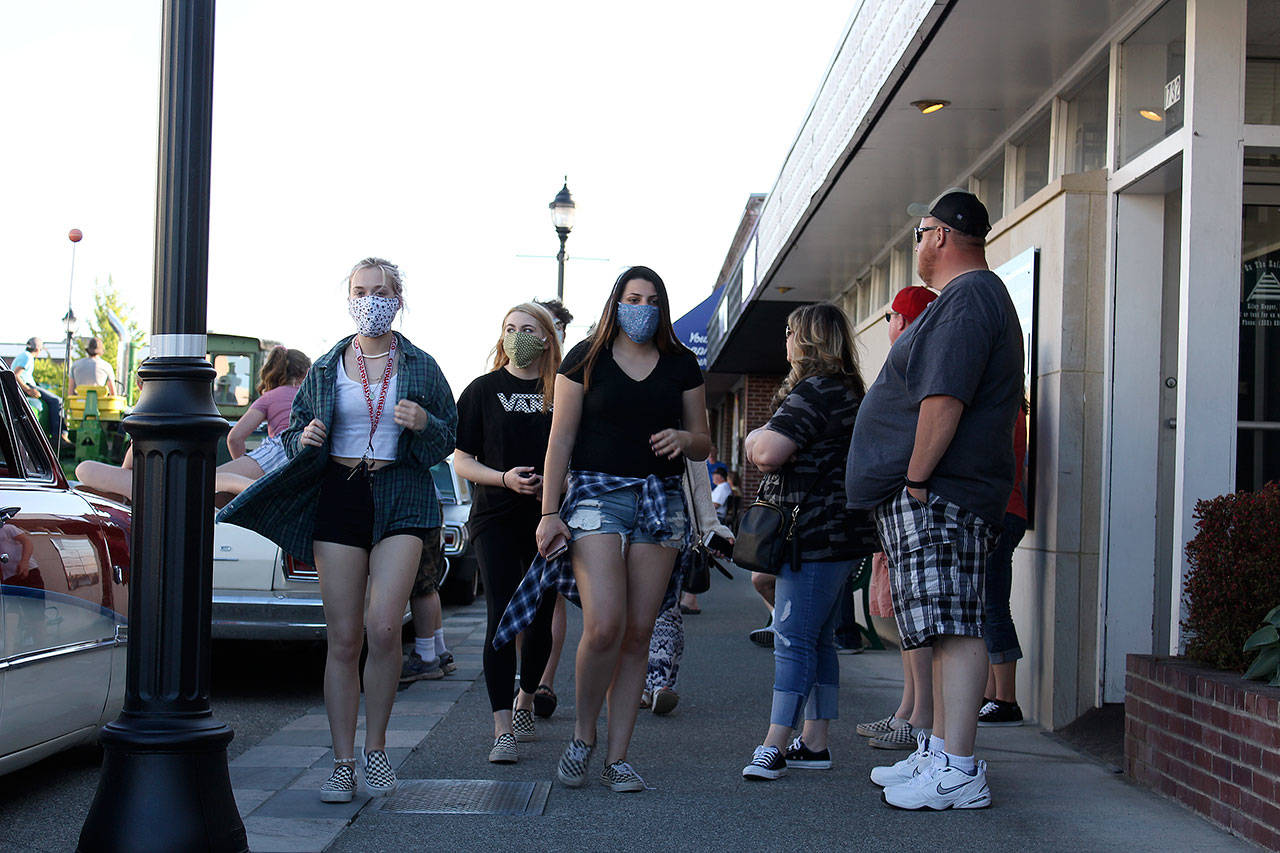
(718, 545)
(558, 547)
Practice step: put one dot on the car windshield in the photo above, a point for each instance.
(444, 482)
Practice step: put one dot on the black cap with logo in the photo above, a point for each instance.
(958, 208)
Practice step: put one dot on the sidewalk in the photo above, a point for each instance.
(1046, 797)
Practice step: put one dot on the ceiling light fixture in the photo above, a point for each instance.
(1151, 115)
(782, 289)
(930, 106)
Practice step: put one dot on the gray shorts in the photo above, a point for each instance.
(937, 556)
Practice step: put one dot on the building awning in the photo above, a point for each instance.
(691, 329)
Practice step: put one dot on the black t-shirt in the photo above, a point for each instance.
(501, 423)
(818, 415)
(619, 413)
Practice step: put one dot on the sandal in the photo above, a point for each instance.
(544, 701)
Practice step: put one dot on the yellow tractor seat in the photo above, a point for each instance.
(100, 401)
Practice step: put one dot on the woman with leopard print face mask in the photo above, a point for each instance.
(504, 420)
(357, 501)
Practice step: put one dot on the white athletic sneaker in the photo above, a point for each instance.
(906, 769)
(940, 788)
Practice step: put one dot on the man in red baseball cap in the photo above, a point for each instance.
(907, 306)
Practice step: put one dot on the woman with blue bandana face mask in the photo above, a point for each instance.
(630, 407)
(356, 499)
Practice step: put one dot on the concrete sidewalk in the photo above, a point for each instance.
(1046, 796)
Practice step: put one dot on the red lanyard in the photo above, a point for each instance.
(374, 416)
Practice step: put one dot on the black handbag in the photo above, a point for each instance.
(765, 531)
(698, 558)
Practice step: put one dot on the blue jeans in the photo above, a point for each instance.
(997, 621)
(806, 671)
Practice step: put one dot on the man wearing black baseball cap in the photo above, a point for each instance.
(934, 449)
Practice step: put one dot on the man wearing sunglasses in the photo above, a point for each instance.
(924, 457)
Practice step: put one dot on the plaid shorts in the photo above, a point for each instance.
(430, 566)
(937, 563)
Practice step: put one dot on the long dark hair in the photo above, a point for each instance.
(607, 327)
(824, 337)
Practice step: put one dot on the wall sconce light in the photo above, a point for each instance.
(1150, 114)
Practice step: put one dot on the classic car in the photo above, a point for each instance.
(64, 563)
(260, 592)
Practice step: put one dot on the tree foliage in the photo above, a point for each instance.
(107, 299)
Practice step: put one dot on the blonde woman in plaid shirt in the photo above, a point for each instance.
(357, 500)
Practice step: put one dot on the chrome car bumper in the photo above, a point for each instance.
(270, 615)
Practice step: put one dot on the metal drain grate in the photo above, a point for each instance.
(467, 796)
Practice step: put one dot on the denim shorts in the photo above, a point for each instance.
(619, 512)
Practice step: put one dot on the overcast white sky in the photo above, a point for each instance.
(432, 134)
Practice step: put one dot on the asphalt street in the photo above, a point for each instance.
(257, 688)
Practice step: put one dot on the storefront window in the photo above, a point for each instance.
(1152, 63)
(1258, 442)
(1033, 160)
(1085, 132)
(990, 189)
(1262, 91)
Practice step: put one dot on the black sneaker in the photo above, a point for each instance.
(767, 763)
(800, 756)
(997, 713)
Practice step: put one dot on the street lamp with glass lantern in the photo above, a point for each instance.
(562, 218)
(69, 323)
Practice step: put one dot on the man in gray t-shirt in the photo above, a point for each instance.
(932, 455)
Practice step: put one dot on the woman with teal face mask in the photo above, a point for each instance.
(630, 408)
(504, 418)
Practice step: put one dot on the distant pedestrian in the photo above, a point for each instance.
(23, 366)
(504, 420)
(93, 369)
(630, 405)
(545, 700)
(430, 657)
(934, 458)
(914, 714)
(802, 450)
(666, 647)
(1000, 702)
(357, 501)
(721, 491)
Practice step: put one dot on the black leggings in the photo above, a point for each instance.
(505, 551)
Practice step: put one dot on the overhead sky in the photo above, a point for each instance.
(433, 134)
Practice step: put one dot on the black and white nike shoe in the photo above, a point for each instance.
(766, 764)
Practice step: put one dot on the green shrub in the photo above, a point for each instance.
(1266, 642)
(1235, 574)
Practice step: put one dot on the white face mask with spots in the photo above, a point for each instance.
(373, 314)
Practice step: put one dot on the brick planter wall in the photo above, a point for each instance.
(1207, 738)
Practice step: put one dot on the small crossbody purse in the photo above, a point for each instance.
(766, 529)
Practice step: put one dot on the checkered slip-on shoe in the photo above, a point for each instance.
(620, 778)
(522, 725)
(504, 750)
(340, 787)
(379, 778)
(877, 728)
(572, 770)
(903, 737)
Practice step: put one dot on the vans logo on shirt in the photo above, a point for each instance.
(530, 404)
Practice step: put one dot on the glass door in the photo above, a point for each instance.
(1258, 439)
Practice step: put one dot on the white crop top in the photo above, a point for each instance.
(351, 420)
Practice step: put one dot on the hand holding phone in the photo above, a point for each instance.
(558, 546)
(718, 545)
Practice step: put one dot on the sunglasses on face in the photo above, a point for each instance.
(925, 229)
(889, 315)
(790, 331)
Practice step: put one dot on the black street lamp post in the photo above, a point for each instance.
(164, 784)
(562, 209)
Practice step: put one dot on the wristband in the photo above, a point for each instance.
(553, 512)
(917, 484)
(504, 479)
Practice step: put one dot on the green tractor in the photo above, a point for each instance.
(94, 417)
